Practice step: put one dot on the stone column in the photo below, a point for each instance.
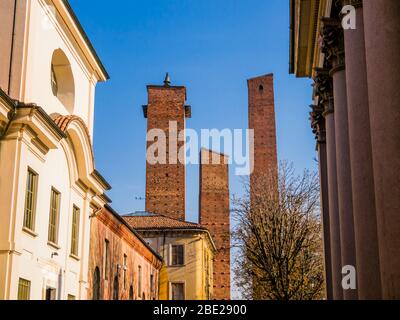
(323, 92)
(382, 47)
(318, 126)
(366, 237)
(333, 48)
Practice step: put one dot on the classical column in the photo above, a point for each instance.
(333, 48)
(366, 237)
(382, 44)
(318, 126)
(323, 92)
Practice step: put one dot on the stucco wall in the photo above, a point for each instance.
(31, 257)
(193, 272)
(39, 31)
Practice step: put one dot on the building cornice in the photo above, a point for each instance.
(180, 230)
(79, 34)
(305, 17)
(332, 43)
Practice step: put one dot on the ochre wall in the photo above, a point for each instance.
(194, 271)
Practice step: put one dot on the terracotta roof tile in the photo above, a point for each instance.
(64, 121)
(149, 221)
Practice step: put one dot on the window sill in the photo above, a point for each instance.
(177, 265)
(30, 232)
(74, 257)
(53, 245)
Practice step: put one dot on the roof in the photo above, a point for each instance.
(64, 121)
(153, 221)
(268, 75)
(130, 227)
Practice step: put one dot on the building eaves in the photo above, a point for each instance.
(135, 232)
(85, 37)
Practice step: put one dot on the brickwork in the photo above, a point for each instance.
(262, 120)
(165, 183)
(214, 214)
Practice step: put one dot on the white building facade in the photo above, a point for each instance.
(49, 187)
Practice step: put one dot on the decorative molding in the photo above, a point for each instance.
(323, 90)
(318, 122)
(332, 43)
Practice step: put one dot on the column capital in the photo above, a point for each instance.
(323, 90)
(318, 122)
(332, 43)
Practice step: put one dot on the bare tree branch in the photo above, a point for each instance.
(279, 237)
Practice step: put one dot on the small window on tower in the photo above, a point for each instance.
(261, 88)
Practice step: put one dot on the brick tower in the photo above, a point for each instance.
(214, 214)
(262, 120)
(165, 182)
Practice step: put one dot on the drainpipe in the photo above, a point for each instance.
(12, 47)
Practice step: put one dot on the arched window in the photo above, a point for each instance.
(116, 288)
(96, 284)
(62, 80)
(131, 293)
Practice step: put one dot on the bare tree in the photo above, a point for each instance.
(278, 235)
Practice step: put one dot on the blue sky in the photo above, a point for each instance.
(210, 46)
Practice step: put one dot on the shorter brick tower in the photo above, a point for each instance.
(165, 182)
(262, 121)
(214, 214)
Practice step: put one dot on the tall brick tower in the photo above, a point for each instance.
(262, 120)
(165, 183)
(215, 214)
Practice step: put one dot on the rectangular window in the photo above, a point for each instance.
(177, 291)
(24, 289)
(50, 293)
(152, 285)
(139, 281)
(30, 200)
(106, 258)
(54, 215)
(177, 255)
(125, 267)
(75, 231)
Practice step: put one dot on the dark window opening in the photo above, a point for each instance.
(116, 288)
(96, 284)
(50, 293)
(131, 293)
